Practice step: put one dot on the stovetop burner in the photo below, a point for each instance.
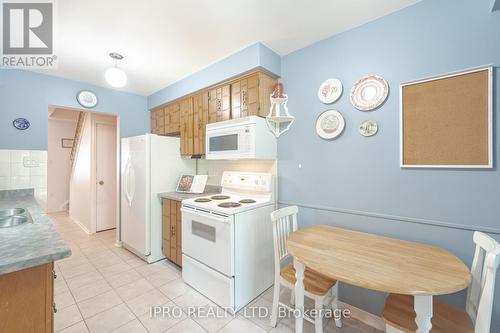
(247, 201)
(229, 204)
(202, 200)
(220, 197)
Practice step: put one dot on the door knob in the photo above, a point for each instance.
(101, 182)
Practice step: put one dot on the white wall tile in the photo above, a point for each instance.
(40, 170)
(19, 182)
(5, 155)
(17, 156)
(4, 183)
(18, 169)
(4, 168)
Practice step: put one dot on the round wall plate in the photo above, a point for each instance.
(369, 93)
(330, 124)
(330, 90)
(21, 123)
(87, 99)
(368, 128)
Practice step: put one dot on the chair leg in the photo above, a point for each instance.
(292, 297)
(276, 299)
(318, 321)
(335, 304)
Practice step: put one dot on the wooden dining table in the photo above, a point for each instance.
(378, 263)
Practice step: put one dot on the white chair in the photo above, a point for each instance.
(400, 317)
(323, 290)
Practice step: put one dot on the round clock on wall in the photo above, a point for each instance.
(87, 99)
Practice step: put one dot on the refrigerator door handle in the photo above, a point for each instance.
(131, 181)
(127, 182)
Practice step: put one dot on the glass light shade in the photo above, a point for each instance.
(116, 77)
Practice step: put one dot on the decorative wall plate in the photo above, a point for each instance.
(87, 99)
(330, 91)
(21, 124)
(330, 124)
(368, 128)
(369, 93)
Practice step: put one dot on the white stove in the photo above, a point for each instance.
(227, 246)
(241, 191)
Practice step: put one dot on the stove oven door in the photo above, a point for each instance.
(209, 238)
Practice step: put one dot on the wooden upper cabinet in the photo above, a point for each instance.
(250, 95)
(186, 120)
(245, 97)
(173, 118)
(157, 121)
(219, 103)
(200, 121)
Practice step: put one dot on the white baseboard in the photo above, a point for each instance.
(365, 317)
(81, 225)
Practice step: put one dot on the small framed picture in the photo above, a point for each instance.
(185, 183)
(67, 143)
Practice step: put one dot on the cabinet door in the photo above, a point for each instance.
(166, 228)
(245, 97)
(219, 105)
(157, 122)
(178, 234)
(266, 88)
(187, 135)
(172, 118)
(173, 234)
(27, 299)
(200, 121)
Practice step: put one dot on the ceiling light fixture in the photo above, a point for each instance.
(115, 76)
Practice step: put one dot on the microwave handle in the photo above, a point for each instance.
(208, 216)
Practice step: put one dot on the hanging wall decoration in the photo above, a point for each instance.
(330, 124)
(21, 124)
(87, 99)
(329, 91)
(279, 121)
(368, 128)
(369, 93)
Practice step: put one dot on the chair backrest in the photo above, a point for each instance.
(284, 223)
(480, 293)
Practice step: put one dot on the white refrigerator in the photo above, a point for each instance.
(150, 164)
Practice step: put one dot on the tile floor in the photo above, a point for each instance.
(103, 288)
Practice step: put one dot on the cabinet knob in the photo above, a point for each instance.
(54, 308)
(54, 274)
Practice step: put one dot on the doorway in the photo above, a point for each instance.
(88, 191)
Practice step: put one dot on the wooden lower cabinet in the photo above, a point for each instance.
(172, 231)
(27, 300)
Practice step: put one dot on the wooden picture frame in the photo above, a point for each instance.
(446, 120)
(67, 143)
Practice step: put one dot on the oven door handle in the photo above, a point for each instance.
(205, 215)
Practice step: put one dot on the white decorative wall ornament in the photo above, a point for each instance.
(330, 124)
(279, 122)
(368, 128)
(330, 90)
(369, 93)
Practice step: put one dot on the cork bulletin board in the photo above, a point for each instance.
(446, 121)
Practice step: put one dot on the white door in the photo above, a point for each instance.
(105, 176)
(135, 226)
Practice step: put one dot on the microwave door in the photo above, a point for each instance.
(225, 144)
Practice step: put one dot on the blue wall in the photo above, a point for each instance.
(356, 182)
(27, 94)
(252, 57)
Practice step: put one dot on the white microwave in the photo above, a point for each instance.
(242, 138)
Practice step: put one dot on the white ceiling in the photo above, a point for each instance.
(164, 41)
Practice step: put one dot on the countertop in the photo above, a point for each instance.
(209, 190)
(28, 245)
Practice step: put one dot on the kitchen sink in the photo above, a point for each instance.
(14, 217)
